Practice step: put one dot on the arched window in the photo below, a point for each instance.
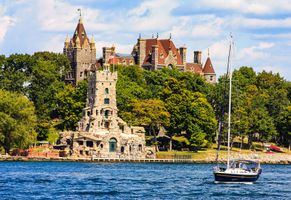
(106, 113)
(140, 147)
(112, 145)
(106, 91)
(122, 149)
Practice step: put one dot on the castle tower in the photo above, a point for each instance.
(208, 71)
(101, 110)
(81, 54)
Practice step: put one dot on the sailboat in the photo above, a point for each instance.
(236, 170)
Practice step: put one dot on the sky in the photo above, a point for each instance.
(261, 29)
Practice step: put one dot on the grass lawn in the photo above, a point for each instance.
(211, 152)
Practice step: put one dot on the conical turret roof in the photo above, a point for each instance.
(208, 67)
(80, 33)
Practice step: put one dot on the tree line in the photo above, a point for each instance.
(36, 104)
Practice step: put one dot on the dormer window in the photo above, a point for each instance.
(161, 55)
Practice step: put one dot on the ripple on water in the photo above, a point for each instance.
(57, 180)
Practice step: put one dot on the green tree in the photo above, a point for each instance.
(285, 124)
(17, 121)
(190, 112)
(70, 103)
(46, 82)
(151, 113)
(15, 72)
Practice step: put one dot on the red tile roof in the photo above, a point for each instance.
(121, 60)
(194, 67)
(164, 46)
(208, 67)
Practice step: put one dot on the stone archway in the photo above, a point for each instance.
(112, 145)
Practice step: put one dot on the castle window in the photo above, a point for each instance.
(106, 91)
(89, 143)
(88, 113)
(106, 125)
(106, 101)
(81, 152)
(121, 128)
(211, 78)
(106, 114)
(101, 146)
(80, 142)
(96, 112)
(140, 147)
(81, 74)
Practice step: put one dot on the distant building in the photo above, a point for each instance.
(111, 57)
(101, 132)
(154, 54)
(149, 54)
(197, 67)
(82, 54)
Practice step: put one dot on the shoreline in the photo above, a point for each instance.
(285, 160)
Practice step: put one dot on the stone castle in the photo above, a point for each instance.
(150, 54)
(101, 132)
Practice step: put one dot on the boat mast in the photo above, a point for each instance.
(229, 104)
(222, 105)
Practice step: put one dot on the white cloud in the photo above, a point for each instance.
(249, 6)
(209, 26)
(6, 22)
(152, 15)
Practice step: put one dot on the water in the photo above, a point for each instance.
(69, 180)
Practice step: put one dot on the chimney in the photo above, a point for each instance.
(197, 57)
(155, 56)
(182, 51)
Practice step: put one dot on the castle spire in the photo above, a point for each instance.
(67, 42)
(81, 19)
(67, 39)
(92, 39)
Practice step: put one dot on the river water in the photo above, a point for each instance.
(70, 180)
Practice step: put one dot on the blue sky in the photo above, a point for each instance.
(261, 28)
